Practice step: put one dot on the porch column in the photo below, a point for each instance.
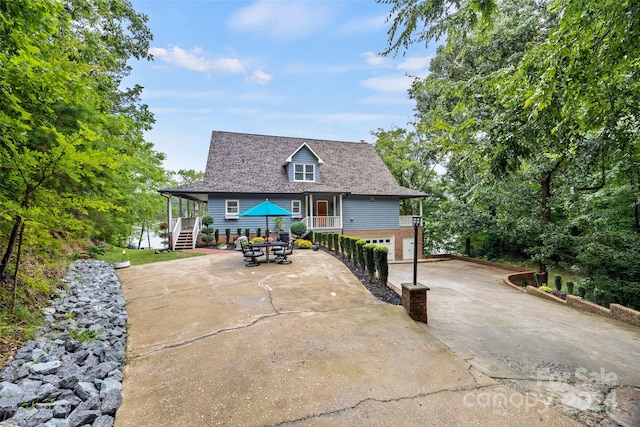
(341, 220)
(170, 228)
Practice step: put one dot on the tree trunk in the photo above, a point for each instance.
(15, 273)
(17, 224)
(141, 235)
(545, 194)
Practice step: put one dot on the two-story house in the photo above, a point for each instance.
(328, 185)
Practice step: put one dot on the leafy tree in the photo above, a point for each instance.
(71, 142)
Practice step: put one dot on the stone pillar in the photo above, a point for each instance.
(414, 300)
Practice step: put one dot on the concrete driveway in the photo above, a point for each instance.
(211, 342)
(586, 365)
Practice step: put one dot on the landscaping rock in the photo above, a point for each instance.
(71, 375)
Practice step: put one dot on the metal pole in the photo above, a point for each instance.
(415, 252)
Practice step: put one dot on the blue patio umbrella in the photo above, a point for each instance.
(266, 209)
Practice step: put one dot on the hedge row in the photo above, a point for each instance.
(368, 257)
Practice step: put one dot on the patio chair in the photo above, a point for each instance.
(282, 254)
(250, 255)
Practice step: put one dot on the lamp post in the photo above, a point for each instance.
(417, 220)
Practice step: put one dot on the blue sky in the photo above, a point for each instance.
(303, 68)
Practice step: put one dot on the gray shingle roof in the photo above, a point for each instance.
(248, 163)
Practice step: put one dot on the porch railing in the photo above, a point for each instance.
(406, 220)
(195, 230)
(175, 232)
(322, 222)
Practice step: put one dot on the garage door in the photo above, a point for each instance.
(383, 241)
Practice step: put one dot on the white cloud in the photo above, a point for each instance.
(415, 63)
(281, 20)
(259, 77)
(390, 83)
(196, 60)
(374, 59)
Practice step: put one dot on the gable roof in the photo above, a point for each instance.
(253, 164)
(304, 145)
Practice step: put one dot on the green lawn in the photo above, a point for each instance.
(142, 256)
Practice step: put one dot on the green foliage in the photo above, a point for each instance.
(216, 235)
(207, 239)
(545, 289)
(239, 231)
(207, 220)
(257, 239)
(73, 155)
(207, 230)
(247, 232)
(382, 264)
(360, 256)
(370, 260)
(258, 231)
(570, 286)
(84, 335)
(557, 279)
(278, 223)
(298, 228)
(227, 233)
(96, 250)
(303, 244)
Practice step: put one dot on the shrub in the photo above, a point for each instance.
(582, 291)
(207, 220)
(207, 230)
(298, 228)
(545, 289)
(360, 253)
(239, 232)
(216, 233)
(336, 245)
(257, 240)
(247, 232)
(96, 250)
(557, 279)
(303, 244)
(570, 288)
(258, 232)
(370, 260)
(382, 264)
(227, 233)
(207, 239)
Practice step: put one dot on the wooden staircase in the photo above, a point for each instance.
(184, 240)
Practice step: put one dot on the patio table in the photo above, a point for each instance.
(267, 245)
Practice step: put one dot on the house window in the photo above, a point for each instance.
(304, 172)
(296, 209)
(231, 209)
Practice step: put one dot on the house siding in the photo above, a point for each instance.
(381, 214)
(216, 208)
(304, 155)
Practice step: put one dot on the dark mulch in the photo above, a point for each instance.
(383, 294)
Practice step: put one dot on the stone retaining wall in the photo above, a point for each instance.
(625, 314)
(583, 304)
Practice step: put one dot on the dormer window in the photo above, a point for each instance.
(304, 172)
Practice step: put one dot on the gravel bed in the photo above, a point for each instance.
(71, 375)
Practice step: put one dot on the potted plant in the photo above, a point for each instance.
(279, 225)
